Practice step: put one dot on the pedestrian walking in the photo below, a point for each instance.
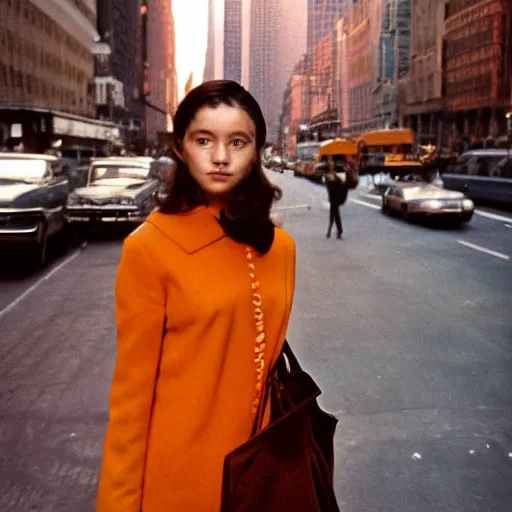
(337, 191)
(203, 297)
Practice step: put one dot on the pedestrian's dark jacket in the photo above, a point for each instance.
(336, 190)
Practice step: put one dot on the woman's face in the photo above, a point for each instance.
(219, 149)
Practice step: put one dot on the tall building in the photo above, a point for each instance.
(391, 19)
(214, 62)
(209, 63)
(233, 38)
(342, 72)
(323, 93)
(118, 75)
(291, 40)
(322, 18)
(424, 84)
(361, 63)
(46, 74)
(264, 63)
(477, 72)
(160, 86)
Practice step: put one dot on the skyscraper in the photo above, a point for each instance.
(214, 62)
(209, 63)
(322, 18)
(233, 40)
(264, 63)
(118, 27)
(161, 66)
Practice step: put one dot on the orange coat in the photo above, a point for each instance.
(185, 374)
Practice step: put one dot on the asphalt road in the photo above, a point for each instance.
(407, 329)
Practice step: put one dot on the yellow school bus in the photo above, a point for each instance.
(341, 148)
(389, 151)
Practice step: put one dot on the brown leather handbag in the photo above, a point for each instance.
(288, 465)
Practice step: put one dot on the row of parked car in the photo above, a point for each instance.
(38, 200)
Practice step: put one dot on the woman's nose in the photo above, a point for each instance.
(220, 155)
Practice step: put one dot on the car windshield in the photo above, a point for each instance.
(111, 174)
(20, 169)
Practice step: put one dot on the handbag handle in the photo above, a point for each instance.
(280, 369)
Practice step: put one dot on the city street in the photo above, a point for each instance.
(406, 328)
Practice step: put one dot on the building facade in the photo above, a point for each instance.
(391, 19)
(214, 63)
(161, 87)
(362, 68)
(323, 91)
(47, 71)
(209, 63)
(342, 72)
(118, 66)
(424, 110)
(264, 63)
(285, 121)
(233, 40)
(477, 71)
(322, 18)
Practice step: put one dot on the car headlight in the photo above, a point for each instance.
(432, 204)
(467, 204)
(125, 201)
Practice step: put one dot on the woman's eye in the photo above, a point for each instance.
(238, 143)
(202, 141)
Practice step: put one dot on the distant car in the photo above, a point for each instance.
(481, 175)
(276, 163)
(33, 193)
(119, 189)
(291, 164)
(416, 199)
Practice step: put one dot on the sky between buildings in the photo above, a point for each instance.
(191, 28)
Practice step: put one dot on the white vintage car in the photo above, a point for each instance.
(119, 189)
(416, 199)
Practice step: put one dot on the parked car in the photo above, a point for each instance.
(166, 170)
(119, 189)
(33, 194)
(477, 175)
(292, 163)
(416, 199)
(276, 163)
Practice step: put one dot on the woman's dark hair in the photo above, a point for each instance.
(253, 198)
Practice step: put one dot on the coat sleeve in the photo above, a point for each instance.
(140, 316)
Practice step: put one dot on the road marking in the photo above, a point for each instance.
(485, 250)
(295, 207)
(371, 196)
(493, 216)
(27, 292)
(508, 226)
(364, 203)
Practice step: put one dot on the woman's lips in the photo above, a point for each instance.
(219, 176)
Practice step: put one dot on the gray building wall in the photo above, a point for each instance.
(233, 40)
(264, 62)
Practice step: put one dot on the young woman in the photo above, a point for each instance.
(203, 297)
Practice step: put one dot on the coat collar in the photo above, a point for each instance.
(192, 231)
